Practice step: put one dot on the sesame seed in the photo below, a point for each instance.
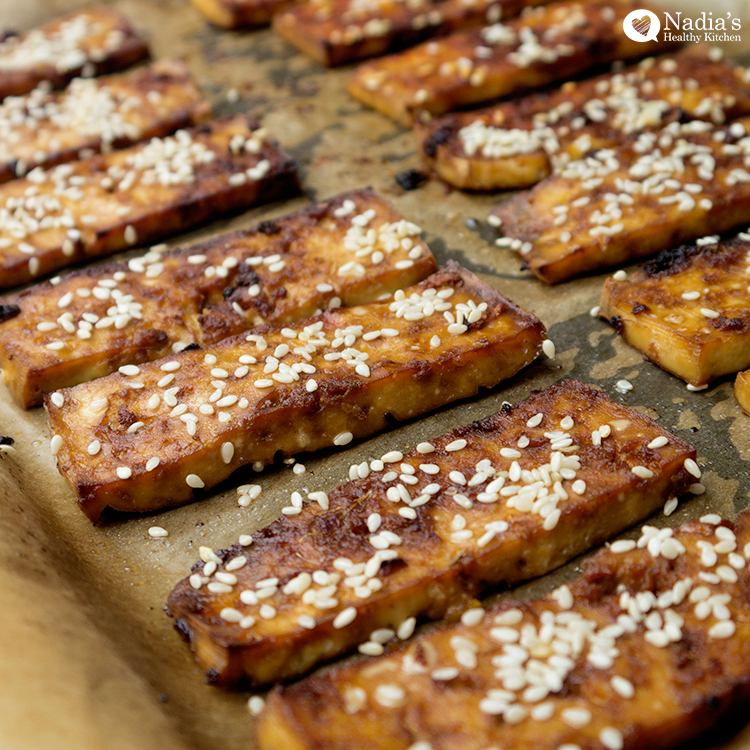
(124, 472)
(255, 705)
(642, 472)
(194, 481)
(658, 442)
(692, 468)
(344, 618)
(456, 445)
(370, 648)
(611, 738)
(57, 399)
(548, 347)
(227, 452)
(157, 532)
(406, 629)
(472, 617)
(343, 438)
(622, 686)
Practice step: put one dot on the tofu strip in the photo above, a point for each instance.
(646, 649)
(518, 143)
(544, 45)
(233, 14)
(618, 205)
(336, 32)
(44, 128)
(84, 209)
(419, 535)
(350, 249)
(688, 310)
(89, 42)
(159, 436)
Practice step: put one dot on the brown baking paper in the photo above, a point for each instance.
(88, 659)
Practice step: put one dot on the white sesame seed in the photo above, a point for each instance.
(227, 452)
(642, 472)
(158, 532)
(472, 617)
(370, 648)
(194, 481)
(343, 438)
(611, 738)
(692, 468)
(124, 472)
(658, 442)
(255, 705)
(535, 421)
(456, 445)
(622, 686)
(344, 618)
(57, 399)
(723, 629)
(548, 347)
(406, 628)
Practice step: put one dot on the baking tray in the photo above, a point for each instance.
(88, 659)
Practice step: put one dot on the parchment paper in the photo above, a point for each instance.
(88, 659)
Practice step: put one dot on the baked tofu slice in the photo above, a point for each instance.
(89, 323)
(544, 45)
(518, 143)
(688, 310)
(233, 14)
(647, 648)
(42, 128)
(618, 205)
(335, 32)
(742, 390)
(85, 209)
(497, 501)
(89, 42)
(146, 440)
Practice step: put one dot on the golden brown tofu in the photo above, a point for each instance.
(544, 45)
(742, 390)
(644, 650)
(151, 439)
(518, 143)
(688, 310)
(43, 128)
(233, 14)
(498, 501)
(614, 206)
(84, 209)
(89, 323)
(89, 42)
(335, 32)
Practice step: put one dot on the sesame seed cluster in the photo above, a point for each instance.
(553, 41)
(406, 520)
(208, 398)
(99, 40)
(599, 112)
(94, 207)
(577, 668)
(43, 128)
(350, 249)
(673, 184)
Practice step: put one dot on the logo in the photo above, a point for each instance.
(641, 25)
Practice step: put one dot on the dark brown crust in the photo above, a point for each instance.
(168, 78)
(654, 317)
(679, 690)
(434, 575)
(320, 29)
(391, 84)
(132, 49)
(159, 210)
(443, 149)
(403, 383)
(188, 307)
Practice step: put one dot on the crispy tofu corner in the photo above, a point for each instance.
(688, 310)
